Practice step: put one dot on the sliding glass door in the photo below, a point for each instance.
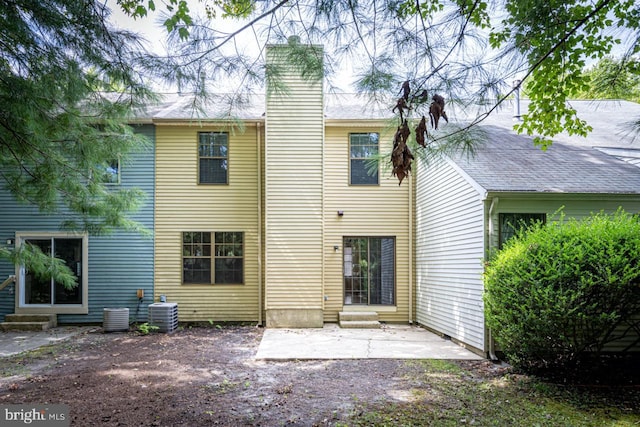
(45, 291)
(369, 270)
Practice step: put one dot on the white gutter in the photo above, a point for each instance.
(410, 244)
(259, 169)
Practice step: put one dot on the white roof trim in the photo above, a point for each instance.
(482, 192)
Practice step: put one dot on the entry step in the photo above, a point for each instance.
(29, 322)
(359, 319)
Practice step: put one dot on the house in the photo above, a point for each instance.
(280, 223)
(268, 210)
(465, 206)
(110, 269)
(310, 218)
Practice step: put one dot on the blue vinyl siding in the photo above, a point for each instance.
(118, 264)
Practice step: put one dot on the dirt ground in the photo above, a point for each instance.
(200, 377)
(194, 377)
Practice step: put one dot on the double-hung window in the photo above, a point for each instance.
(213, 258)
(363, 149)
(511, 223)
(213, 157)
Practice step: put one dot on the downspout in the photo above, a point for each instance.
(494, 203)
(323, 258)
(259, 169)
(410, 243)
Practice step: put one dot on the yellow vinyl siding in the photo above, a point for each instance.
(380, 210)
(184, 205)
(293, 195)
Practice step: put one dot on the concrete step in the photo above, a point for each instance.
(358, 315)
(52, 319)
(24, 326)
(29, 322)
(360, 324)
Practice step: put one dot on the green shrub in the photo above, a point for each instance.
(146, 328)
(565, 289)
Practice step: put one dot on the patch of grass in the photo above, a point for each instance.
(222, 387)
(446, 394)
(22, 363)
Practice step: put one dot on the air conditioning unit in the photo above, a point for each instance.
(115, 319)
(164, 315)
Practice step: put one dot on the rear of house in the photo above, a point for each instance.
(466, 207)
(368, 226)
(279, 214)
(283, 220)
(110, 269)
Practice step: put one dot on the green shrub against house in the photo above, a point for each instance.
(558, 291)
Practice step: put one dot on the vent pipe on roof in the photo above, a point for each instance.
(516, 102)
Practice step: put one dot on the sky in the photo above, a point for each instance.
(152, 29)
(149, 27)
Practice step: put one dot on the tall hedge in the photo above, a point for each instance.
(560, 290)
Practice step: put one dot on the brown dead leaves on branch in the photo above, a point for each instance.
(401, 156)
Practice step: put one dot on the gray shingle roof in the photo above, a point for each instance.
(218, 106)
(507, 162)
(252, 107)
(611, 122)
(603, 162)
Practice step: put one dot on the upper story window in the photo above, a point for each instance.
(213, 157)
(511, 223)
(362, 148)
(112, 172)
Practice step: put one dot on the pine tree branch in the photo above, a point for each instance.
(238, 31)
(536, 65)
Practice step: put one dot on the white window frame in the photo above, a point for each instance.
(364, 161)
(22, 308)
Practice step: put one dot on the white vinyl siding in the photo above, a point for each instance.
(449, 254)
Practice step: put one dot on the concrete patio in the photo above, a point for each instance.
(329, 342)
(333, 342)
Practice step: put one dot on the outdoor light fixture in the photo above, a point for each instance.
(340, 213)
(336, 247)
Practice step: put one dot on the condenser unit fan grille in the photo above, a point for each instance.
(164, 315)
